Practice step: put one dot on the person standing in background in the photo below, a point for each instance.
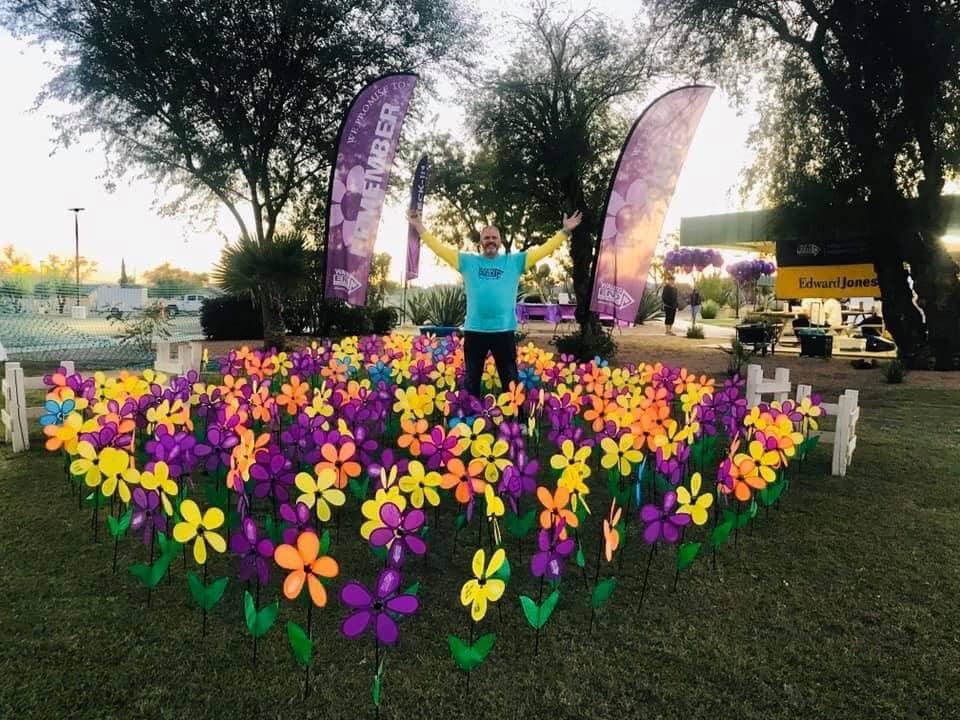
(695, 304)
(669, 297)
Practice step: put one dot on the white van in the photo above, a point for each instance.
(185, 305)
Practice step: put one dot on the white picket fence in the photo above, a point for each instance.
(16, 416)
(846, 410)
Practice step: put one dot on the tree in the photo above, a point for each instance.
(380, 283)
(858, 130)
(549, 122)
(227, 99)
(469, 191)
(125, 280)
(169, 281)
(268, 272)
(58, 277)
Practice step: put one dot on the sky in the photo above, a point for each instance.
(42, 180)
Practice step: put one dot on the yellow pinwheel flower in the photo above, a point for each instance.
(483, 588)
(108, 470)
(571, 461)
(200, 529)
(420, 485)
(620, 454)
(759, 462)
(159, 479)
(371, 508)
(492, 454)
(320, 492)
(692, 503)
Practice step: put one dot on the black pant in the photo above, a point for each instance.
(476, 345)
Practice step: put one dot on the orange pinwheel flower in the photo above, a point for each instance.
(415, 433)
(340, 461)
(555, 506)
(465, 480)
(306, 567)
(611, 537)
(293, 395)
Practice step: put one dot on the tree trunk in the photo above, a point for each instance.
(274, 332)
(936, 279)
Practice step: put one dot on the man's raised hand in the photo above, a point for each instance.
(570, 223)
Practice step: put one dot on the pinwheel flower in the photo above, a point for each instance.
(373, 609)
(555, 507)
(320, 492)
(254, 552)
(200, 529)
(306, 566)
(399, 532)
(159, 479)
(554, 547)
(420, 485)
(611, 536)
(147, 516)
(692, 502)
(571, 461)
(620, 454)
(298, 520)
(483, 587)
(663, 522)
(55, 412)
(109, 470)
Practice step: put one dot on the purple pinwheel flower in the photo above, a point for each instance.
(399, 534)
(512, 432)
(705, 413)
(147, 514)
(663, 523)
(388, 460)
(439, 449)
(672, 469)
(374, 609)
(178, 450)
(220, 441)
(554, 549)
(299, 520)
(255, 552)
(273, 474)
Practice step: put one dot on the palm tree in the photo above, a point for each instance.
(268, 272)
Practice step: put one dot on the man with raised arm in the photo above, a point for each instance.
(491, 280)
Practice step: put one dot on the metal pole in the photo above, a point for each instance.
(76, 237)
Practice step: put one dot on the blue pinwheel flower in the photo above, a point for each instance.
(56, 412)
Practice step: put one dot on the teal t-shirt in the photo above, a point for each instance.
(491, 286)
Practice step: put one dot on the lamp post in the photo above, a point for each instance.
(76, 237)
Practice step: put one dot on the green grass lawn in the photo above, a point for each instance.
(842, 603)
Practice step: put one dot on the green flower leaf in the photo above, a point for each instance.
(259, 621)
(413, 589)
(808, 446)
(520, 526)
(504, 572)
(274, 530)
(216, 494)
(206, 596)
(579, 558)
(721, 533)
(168, 546)
(469, 657)
(602, 591)
(770, 494)
(118, 527)
(461, 521)
(359, 489)
(538, 615)
(686, 554)
(324, 542)
(300, 645)
(377, 690)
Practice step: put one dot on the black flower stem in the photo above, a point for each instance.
(470, 645)
(96, 511)
(536, 647)
(256, 607)
(203, 632)
(676, 577)
(306, 675)
(153, 540)
(646, 574)
(116, 544)
(583, 569)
